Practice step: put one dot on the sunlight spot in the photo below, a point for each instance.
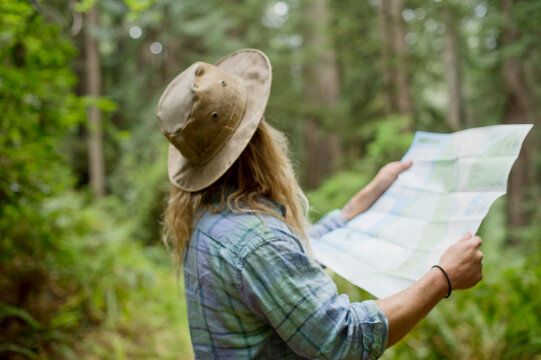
(135, 32)
(420, 13)
(431, 25)
(440, 28)
(281, 8)
(480, 10)
(491, 43)
(15, 187)
(411, 38)
(295, 40)
(156, 48)
(408, 15)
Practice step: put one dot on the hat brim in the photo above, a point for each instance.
(254, 68)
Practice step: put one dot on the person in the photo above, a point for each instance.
(237, 219)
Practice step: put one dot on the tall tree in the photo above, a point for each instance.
(321, 89)
(395, 59)
(386, 53)
(455, 110)
(401, 59)
(520, 108)
(93, 90)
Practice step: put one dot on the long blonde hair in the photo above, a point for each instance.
(263, 170)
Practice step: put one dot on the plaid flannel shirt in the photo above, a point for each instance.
(253, 293)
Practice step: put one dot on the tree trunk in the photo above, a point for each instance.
(401, 59)
(455, 110)
(386, 29)
(172, 66)
(520, 108)
(93, 90)
(394, 58)
(321, 88)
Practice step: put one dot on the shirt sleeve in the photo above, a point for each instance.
(329, 222)
(299, 300)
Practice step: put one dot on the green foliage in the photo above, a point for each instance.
(115, 282)
(38, 110)
(336, 192)
(106, 288)
(388, 142)
(140, 181)
(35, 86)
(70, 270)
(390, 139)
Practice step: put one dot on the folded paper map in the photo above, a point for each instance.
(447, 191)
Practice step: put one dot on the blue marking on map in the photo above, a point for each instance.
(427, 140)
(473, 204)
(342, 245)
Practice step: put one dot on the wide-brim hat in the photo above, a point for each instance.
(209, 113)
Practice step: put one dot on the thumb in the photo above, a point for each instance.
(402, 166)
(406, 165)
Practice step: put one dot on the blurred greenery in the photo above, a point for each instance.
(87, 278)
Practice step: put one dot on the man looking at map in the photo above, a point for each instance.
(237, 221)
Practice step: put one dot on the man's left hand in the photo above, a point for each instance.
(364, 199)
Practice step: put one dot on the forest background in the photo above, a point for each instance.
(83, 164)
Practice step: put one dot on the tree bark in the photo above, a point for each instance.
(93, 90)
(518, 111)
(401, 59)
(394, 58)
(385, 25)
(520, 108)
(321, 89)
(455, 110)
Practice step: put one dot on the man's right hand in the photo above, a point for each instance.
(462, 262)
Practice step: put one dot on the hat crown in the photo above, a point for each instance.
(200, 110)
(209, 114)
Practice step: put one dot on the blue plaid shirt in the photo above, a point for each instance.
(253, 293)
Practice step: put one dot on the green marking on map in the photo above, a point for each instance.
(445, 172)
(488, 174)
(507, 146)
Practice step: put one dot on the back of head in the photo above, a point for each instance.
(262, 172)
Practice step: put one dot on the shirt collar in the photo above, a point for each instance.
(278, 208)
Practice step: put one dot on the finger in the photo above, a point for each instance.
(480, 255)
(401, 166)
(405, 165)
(478, 241)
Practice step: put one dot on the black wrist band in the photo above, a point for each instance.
(447, 277)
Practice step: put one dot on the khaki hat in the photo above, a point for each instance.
(209, 113)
